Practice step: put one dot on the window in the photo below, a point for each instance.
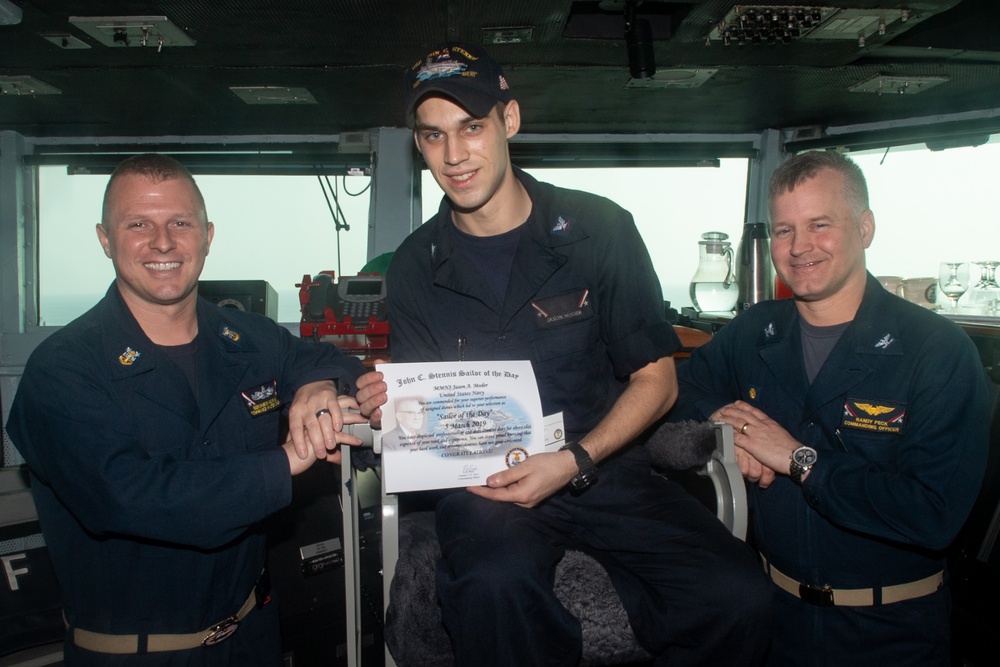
(273, 228)
(672, 207)
(932, 207)
(929, 206)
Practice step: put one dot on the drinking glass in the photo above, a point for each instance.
(985, 294)
(953, 279)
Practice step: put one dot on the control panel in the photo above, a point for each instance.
(349, 312)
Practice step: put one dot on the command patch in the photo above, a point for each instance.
(262, 399)
(871, 415)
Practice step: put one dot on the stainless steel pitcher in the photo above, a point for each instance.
(754, 271)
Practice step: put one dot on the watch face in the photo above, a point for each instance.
(804, 456)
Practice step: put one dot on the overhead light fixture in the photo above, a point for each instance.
(25, 86)
(639, 44)
(273, 95)
(886, 84)
(64, 40)
(673, 78)
(10, 14)
(499, 36)
(134, 31)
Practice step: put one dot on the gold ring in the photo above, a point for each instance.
(320, 413)
(744, 429)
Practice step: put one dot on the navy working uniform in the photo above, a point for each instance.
(898, 415)
(151, 497)
(583, 304)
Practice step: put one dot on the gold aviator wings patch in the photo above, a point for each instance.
(874, 410)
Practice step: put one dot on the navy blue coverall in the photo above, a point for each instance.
(150, 498)
(899, 416)
(584, 306)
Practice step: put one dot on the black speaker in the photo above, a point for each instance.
(306, 565)
(254, 296)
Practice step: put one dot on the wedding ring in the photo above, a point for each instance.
(744, 429)
(320, 413)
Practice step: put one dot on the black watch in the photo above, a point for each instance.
(588, 471)
(803, 459)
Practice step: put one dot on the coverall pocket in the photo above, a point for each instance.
(875, 447)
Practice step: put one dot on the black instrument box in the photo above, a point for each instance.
(254, 296)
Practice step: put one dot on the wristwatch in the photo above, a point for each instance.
(588, 471)
(803, 459)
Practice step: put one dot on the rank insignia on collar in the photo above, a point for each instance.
(885, 342)
(230, 334)
(128, 357)
(261, 399)
(561, 228)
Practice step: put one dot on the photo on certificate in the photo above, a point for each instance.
(450, 424)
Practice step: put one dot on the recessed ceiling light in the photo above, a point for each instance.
(117, 31)
(25, 86)
(673, 78)
(273, 95)
(885, 84)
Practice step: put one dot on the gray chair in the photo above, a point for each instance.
(413, 631)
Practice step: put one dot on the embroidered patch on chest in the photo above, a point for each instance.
(262, 399)
(562, 309)
(871, 415)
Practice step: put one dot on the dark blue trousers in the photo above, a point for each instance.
(912, 632)
(695, 595)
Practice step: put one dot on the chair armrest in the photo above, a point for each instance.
(730, 491)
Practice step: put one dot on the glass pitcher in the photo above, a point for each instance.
(713, 287)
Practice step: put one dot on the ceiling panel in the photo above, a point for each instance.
(350, 56)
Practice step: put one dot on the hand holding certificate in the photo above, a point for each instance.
(453, 424)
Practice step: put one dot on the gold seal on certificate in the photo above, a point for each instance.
(449, 424)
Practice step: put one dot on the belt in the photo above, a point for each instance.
(825, 596)
(125, 644)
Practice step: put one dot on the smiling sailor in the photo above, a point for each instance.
(151, 429)
(861, 421)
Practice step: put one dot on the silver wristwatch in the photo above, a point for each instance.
(803, 459)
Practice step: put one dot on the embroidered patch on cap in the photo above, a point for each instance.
(262, 399)
(128, 357)
(876, 416)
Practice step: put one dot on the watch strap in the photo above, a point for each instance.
(796, 471)
(587, 474)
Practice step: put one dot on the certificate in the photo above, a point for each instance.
(450, 424)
